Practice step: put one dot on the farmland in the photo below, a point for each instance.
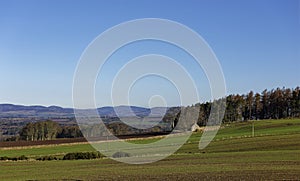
(273, 153)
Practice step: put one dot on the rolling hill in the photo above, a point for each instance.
(21, 111)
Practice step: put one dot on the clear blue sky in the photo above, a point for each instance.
(256, 41)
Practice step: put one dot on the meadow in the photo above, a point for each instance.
(272, 154)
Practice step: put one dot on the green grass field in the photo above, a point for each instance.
(273, 154)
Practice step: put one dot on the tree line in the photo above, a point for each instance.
(48, 130)
(277, 103)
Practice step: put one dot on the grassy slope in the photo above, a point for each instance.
(273, 154)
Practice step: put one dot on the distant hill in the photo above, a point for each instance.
(20, 111)
(131, 111)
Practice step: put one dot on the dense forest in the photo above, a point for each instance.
(274, 104)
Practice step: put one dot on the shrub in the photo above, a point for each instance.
(120, 154)
(69, 156)
(47, 158)
(14, 158)
(5, 158)
(23, 157)
(82, 156)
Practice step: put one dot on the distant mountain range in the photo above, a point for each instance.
(20, 111)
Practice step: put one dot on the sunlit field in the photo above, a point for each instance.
(273, 153)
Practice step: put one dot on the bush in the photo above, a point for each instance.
(5, 158)
(82, 156)
(13, 158)
(120, 154)
(23, 157)
(47, 158)
(69, 156)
